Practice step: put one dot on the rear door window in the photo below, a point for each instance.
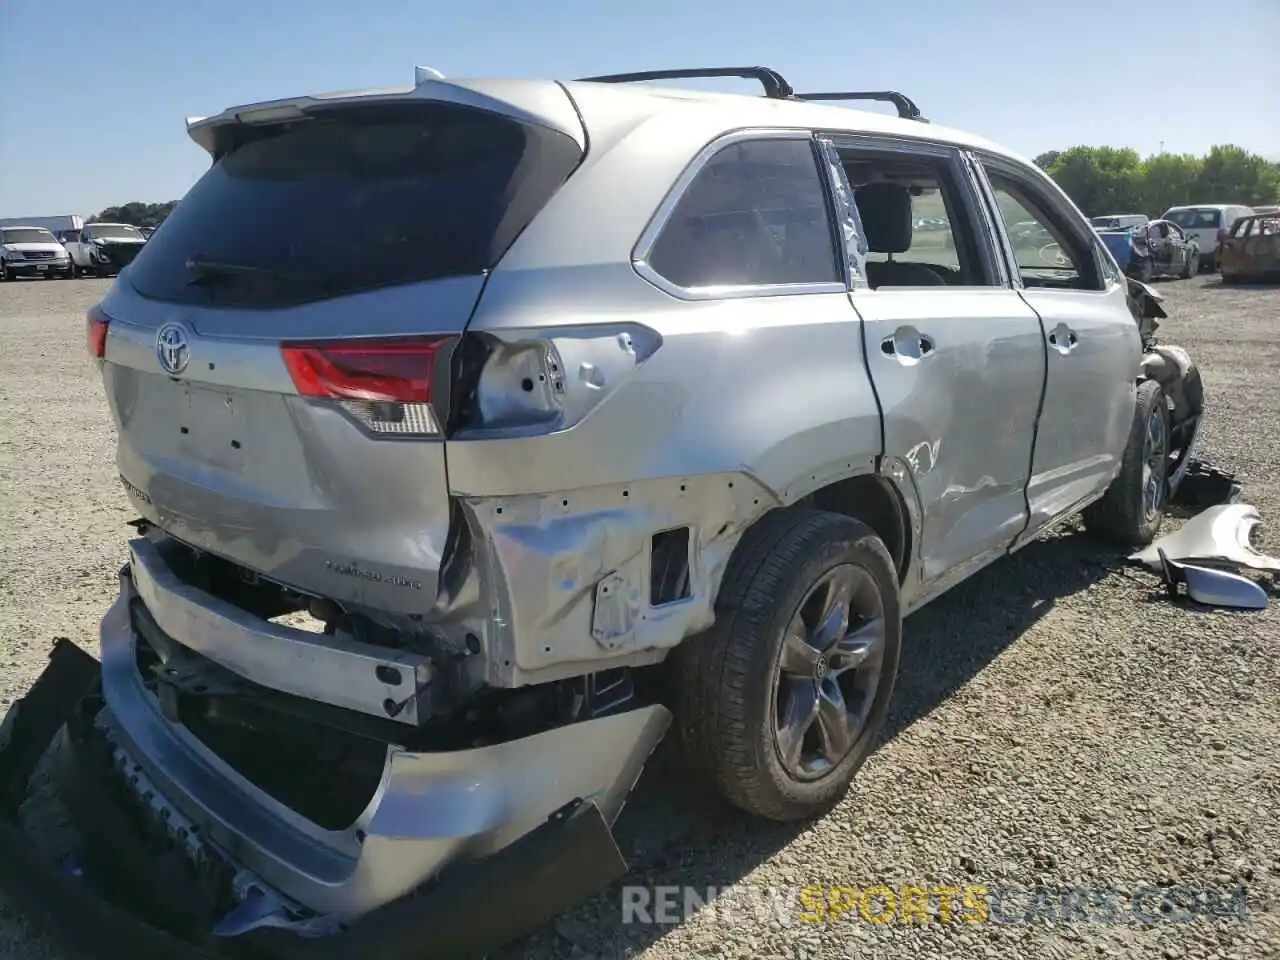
(352, 199)
(755, 215)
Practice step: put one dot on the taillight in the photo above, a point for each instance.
(385, 383)
(96, 323)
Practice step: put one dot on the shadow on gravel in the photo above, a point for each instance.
(673, 834)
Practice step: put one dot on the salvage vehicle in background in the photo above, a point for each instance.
(1252, 250)
(487, 432)
(103, 249)
(32, 252)
(1208, 225)
(1158, 249)
(1120, 221)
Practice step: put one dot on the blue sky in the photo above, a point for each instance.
(95, 93)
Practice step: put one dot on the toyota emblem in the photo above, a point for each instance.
(171, 349)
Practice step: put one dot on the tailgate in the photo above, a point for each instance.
(277, 358)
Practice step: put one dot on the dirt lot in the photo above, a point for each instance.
(1057, 723)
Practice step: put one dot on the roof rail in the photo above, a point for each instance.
(775, 86)
(907, 108)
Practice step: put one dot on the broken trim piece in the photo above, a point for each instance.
(557, 865)
(1213, 588)
(1219, 537)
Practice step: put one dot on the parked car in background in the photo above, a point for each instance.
(1208, 224)
(1120, 221)
(1158, 249)
(103, 249)
(1267, 208)
(147, 231)
(1252, 249)
(32, 252)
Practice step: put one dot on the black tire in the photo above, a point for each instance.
(726, 680)
(1123, 516)
(4, 273)
(1191, 267)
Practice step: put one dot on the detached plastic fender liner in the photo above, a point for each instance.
(84, 925)
(476, 907)
(549, 870)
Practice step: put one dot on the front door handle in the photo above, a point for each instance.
(1063, 339)
(908, 346)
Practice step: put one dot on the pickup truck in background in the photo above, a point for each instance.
(31, 251)
(102, 249)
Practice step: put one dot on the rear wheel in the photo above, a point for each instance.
(1131, 511)
(781, 701)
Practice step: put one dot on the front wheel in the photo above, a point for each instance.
(781, 701)
(1131, 511)
(1191, 267)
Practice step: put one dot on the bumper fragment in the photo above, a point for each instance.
(143, 900)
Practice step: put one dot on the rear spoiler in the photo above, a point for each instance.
(541, 102)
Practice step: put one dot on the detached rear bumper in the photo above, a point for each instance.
(141, 899)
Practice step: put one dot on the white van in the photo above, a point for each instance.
(1208, 224)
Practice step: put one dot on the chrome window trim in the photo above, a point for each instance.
(644, 246)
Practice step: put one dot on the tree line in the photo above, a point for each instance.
(1100, 180)
(1104, 180)
(135, 212)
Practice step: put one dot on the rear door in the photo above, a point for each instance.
(956, 357)
(1093, 347)
(277, 358)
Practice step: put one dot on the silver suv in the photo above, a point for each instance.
(454, 411)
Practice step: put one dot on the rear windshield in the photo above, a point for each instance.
(26, 235)
(354, 199)
(1207, 219)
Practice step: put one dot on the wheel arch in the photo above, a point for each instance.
(876, 500)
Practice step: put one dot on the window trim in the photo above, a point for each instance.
(1035, 179)
(662, 215)
(988, 260)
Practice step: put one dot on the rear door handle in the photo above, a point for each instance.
(1063, 339)
(908, 346)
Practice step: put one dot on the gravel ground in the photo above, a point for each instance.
(1057, 723)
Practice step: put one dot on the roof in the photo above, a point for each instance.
(626, 104)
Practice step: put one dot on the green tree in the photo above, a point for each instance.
(1105, 180)
(1100, 179)
(135, 212)
(1231, 174)
(1047, 159)
(1169, 179)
